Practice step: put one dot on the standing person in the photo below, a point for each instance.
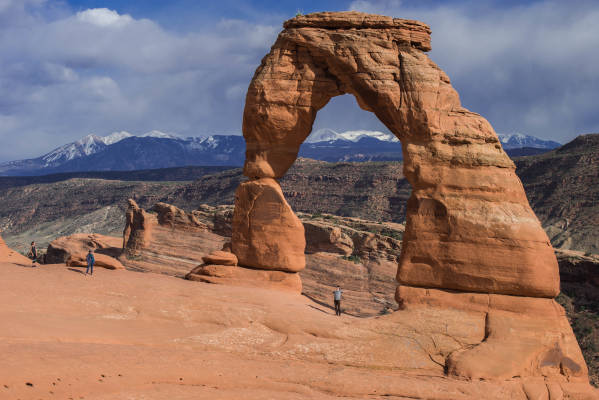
(33, 253)
(337, 298)
(90, 263)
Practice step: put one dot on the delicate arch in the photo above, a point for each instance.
(468, 226)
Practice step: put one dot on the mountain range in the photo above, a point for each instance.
(123, 151)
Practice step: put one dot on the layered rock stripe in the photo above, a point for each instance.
(469, 225)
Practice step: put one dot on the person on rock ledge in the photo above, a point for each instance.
(90, 263)
(33, 253)
(337, 299)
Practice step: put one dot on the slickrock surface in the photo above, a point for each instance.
(359, 255)
(247, 277)
(72, 250)
(104, 337)
(469, 225)
(10, 256)
(166, 239)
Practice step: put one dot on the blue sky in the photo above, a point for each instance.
(70, 68)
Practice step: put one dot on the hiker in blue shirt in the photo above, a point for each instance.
(90, 263)
(337, 298)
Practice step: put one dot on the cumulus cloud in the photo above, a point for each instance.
(103, 17)
(529, 67)
(65, 74)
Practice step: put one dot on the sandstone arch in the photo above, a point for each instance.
(469, 225)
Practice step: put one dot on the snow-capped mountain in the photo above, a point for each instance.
(519, 140)
(115, 137)
(84, 147)
(123, 151)
(327, 135)
(90, 144)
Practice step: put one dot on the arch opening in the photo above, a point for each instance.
(469, 226)
(353, 233)
(471, 240)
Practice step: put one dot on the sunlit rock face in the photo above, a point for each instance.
(469, 224)
(472, 242)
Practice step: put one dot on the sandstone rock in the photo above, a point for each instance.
(166, 239)
(72, 250)
(288, 341)
(169, 215)
(217, 219)
(220, 258)
(266, 232)
(469, 224)
(104, 261)
(368, 285)
(523, 336)
(327, 238)
(239, 276)
(471, 238)
(137, 228)
(10, 256)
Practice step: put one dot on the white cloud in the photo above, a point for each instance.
(529, 67)
(99, 71)
(103, 17)
(64, 73)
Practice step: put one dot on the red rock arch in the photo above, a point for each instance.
(469, 224)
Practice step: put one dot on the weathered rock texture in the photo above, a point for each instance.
(267, 234)
(470, 232)
(240, 276)
(166, 239)
(72, 250)
(154, 337)
(469, 225)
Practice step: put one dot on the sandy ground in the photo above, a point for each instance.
(131, 335)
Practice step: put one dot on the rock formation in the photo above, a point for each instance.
(10, 256)
(472, 242)
(261, 215)
(469, 225)
(72, 250)
(166, 239)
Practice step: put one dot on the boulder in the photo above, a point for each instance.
(220, 258)
(101, 260)
(72, 250)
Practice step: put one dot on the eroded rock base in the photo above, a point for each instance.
(267, 234)
(519, 336)
(247, 277)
